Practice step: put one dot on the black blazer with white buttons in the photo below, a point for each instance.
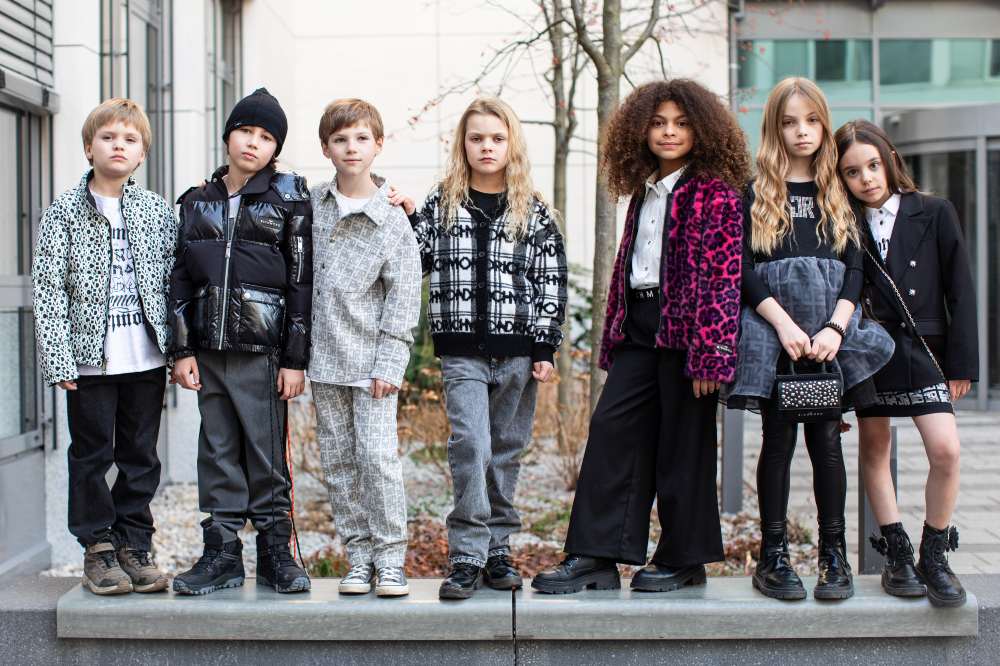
(928, 262)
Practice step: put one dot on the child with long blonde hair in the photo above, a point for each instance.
(802, 278)
(497, 302)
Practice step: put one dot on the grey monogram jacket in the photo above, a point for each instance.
(366, 289)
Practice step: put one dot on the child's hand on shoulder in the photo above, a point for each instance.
(397, 198)
(291, 383)
(381, 389)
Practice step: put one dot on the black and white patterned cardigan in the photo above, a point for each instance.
(492, 294)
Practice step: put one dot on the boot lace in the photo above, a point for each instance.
(140, 558)
(359, 573)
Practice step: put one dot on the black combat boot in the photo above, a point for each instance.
(943, 588)
(774, 576)
(220, 566)
(278, 569)
(500, 573)
(462, 581)
(835, 580)
(899, 574)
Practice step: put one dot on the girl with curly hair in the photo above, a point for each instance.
(802, 278)
(669, 341)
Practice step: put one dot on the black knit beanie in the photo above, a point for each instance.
(261, 109)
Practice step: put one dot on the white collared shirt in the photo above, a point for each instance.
(649, 234)
(881, 221)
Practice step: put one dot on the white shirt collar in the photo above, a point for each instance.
(666, 184)
(890, 207)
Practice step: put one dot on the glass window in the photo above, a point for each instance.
(842, 67)
(227, 47)
(916, 72)
(995, 58)
(18, 408)
(10, 225)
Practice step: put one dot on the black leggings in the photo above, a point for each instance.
(774, 470)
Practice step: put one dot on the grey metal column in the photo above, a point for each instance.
(869, 559)
(732, 460)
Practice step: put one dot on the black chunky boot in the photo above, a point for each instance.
(774, 576)
(899, 574)
(835, 580)
(576, 573)
(220, 566)
(278, 569)
(943, 588)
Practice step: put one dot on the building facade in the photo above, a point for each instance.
(188, 61)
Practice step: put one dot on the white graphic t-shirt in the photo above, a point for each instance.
(128, 345)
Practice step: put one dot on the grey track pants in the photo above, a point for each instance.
(491, 407)
(241, 447)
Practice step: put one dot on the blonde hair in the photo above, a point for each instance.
(521, 194)
(341, 113)
(114, 110)
(771, 214)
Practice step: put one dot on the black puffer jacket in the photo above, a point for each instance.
(245, 286)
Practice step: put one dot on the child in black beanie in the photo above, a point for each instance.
(241, 298)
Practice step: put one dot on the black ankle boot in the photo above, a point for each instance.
(899, 575)
(220, 566)
(835, 580)
(576, 573)
(278, 569)
(943, 588)
(774, 575)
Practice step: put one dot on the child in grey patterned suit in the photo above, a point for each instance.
(366, 301)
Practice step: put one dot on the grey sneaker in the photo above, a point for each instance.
(140, 567)
(101, 572)
(358, 580)
(391, 582)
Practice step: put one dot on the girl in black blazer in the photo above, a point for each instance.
(916, 272)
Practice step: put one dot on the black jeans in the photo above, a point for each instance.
(774, 469)
(114, 419)
(649, 436)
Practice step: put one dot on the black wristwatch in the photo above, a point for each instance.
(835, 326)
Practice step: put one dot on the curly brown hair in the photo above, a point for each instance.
(720, 146)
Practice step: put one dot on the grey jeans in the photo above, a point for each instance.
(241, 447)
(491, 407)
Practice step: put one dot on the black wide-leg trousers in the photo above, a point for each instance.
(649, 437)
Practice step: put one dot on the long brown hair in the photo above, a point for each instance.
(897, 176)
(770, 213)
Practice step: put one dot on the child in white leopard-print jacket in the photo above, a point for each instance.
(104, 253)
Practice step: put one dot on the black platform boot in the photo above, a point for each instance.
(835, 580)
(943, 588)
(899, 574)
(774, 576)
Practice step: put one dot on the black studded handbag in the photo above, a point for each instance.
(808, 397)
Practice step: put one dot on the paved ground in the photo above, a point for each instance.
(977, 515)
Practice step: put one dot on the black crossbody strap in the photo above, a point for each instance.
(906, 310)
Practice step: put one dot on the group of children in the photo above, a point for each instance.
(720, 284)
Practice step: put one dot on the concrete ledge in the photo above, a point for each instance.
(726, 608)
(729, 608)
(259, 613)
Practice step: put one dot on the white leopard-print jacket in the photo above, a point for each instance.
(71, 272)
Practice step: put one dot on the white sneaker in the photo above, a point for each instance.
(358, 580)
(391, 582)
